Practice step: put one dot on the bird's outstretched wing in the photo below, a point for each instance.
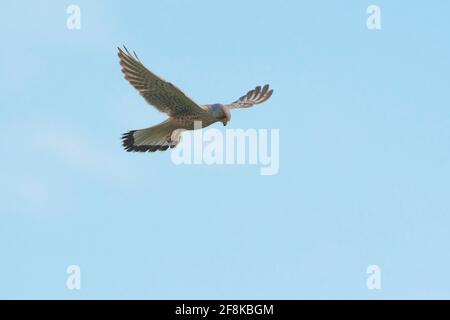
(161, 94)
(252, 97)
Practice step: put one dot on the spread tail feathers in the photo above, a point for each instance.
(151, 139)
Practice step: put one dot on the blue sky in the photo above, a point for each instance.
(364, 152)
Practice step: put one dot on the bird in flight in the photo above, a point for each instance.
(183, 112)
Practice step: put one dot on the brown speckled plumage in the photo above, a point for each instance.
(183, 112)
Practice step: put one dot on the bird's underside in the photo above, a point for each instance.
(183, 112)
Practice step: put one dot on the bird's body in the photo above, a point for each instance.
(184, 114)
(214, 113)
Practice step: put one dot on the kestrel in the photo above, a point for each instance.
(183, 112)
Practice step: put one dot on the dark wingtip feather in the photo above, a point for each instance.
(264, 89)
(256, 92)
(267, 96)
(126, 50)
(137, 58)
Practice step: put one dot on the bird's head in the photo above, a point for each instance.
(227, 116)
(219, 112)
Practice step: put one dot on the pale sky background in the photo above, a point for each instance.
(364, 174)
